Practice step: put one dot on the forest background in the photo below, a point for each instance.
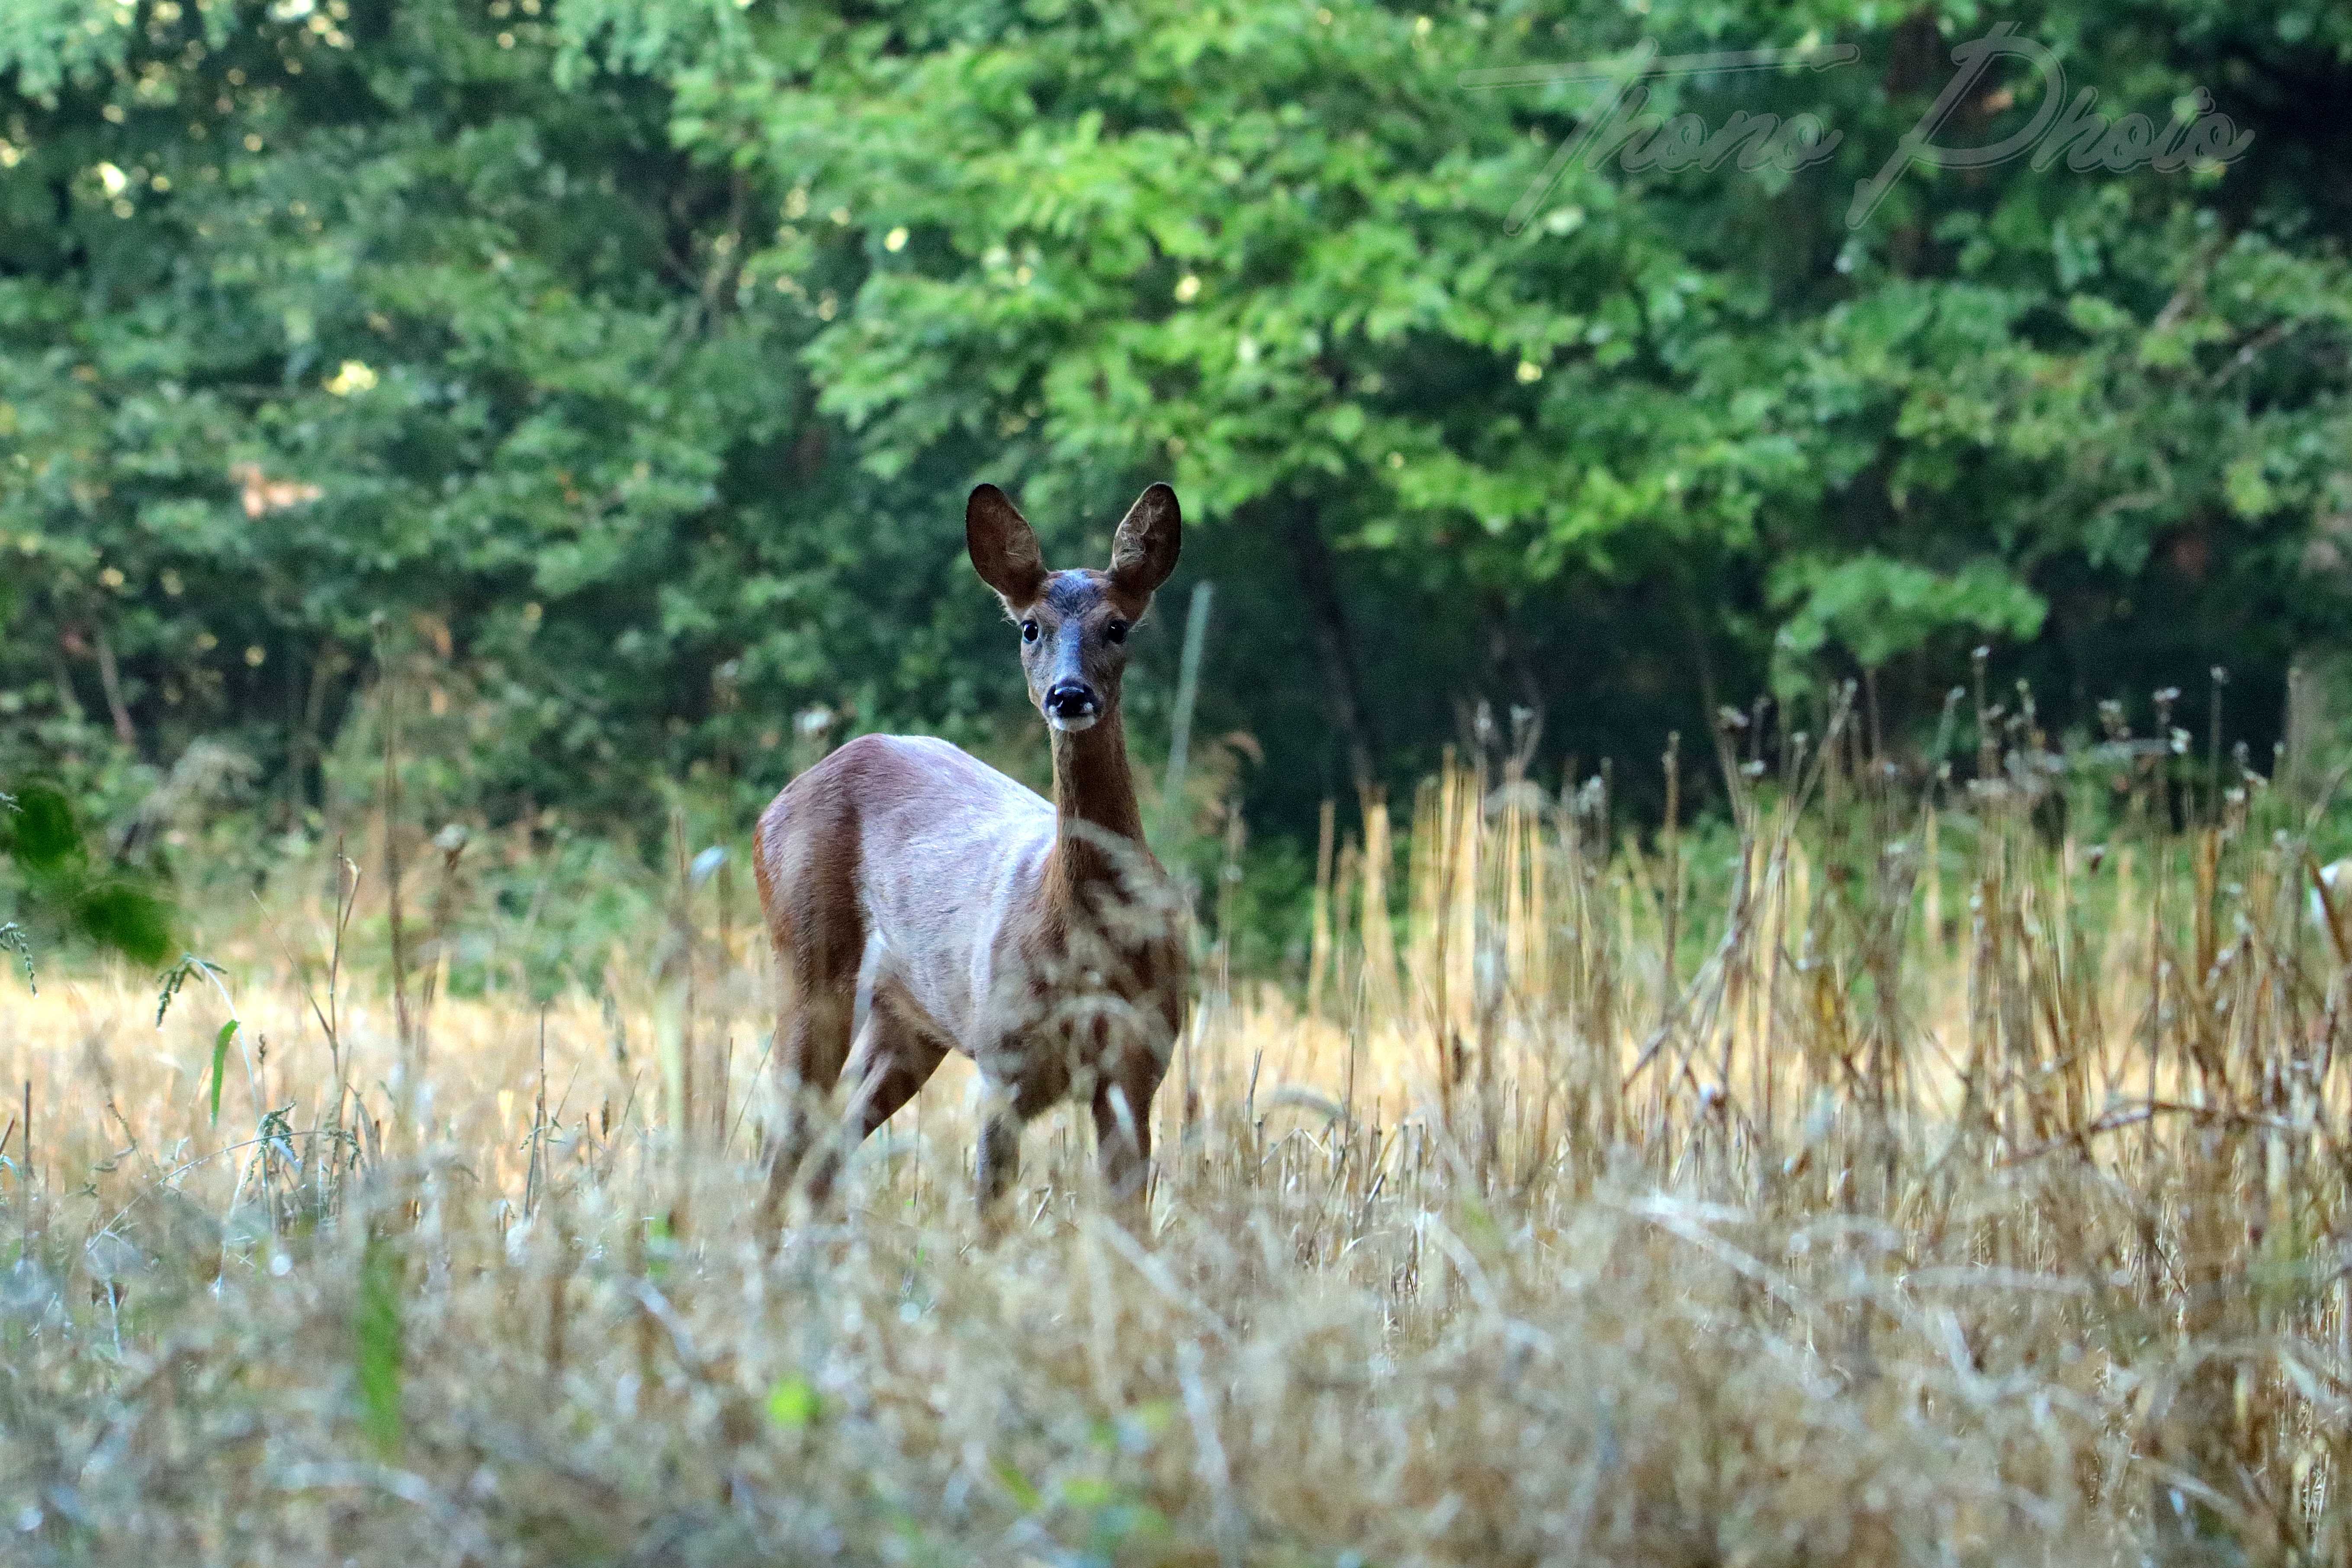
(560, 411)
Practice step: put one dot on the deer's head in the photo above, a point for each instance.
(1074, 624)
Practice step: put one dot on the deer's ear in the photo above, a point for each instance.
(1148, 540)
(1003, 546)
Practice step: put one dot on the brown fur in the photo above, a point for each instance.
(921, 902)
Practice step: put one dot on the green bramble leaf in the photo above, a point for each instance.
(44, 836)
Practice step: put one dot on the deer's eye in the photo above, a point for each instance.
(1116, 632)
(1028, 631)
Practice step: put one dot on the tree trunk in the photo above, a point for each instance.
(1319, 582)
(110, 680)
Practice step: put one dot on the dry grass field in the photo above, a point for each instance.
(1897, 1174)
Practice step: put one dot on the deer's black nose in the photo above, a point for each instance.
(1072, 699)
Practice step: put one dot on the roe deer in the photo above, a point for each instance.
(921, 902)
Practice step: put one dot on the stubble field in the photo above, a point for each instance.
(1964, 1188)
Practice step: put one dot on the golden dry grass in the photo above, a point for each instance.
(1963, 1194)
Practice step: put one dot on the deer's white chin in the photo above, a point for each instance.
(1071, 726)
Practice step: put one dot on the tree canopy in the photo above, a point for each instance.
(629, 360)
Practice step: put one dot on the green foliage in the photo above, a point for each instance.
(58, 887)
(1880, 608)
(123, 915)
(615, 369)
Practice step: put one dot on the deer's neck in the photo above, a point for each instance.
(1097, 823)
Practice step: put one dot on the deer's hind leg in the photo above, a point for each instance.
(818, 926)
(896, 1052)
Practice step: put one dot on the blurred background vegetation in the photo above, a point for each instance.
(558, 412)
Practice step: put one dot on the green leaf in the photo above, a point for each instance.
(794, 1405)
(1018, 1485)
(1089, 1491)
(2095, 315)
(220, 1061)
(376, 1347)
(2249, 489)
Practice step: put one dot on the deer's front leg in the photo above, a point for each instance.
(999, 1160)
(1122, 1112)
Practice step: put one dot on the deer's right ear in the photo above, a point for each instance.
(1002, 545)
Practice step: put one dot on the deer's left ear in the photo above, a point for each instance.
(1148, 540)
